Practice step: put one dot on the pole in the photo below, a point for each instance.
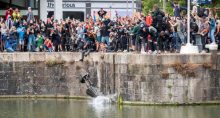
(110, 12)
(164, 5)
(188, 22)
(132, 6)
(127, 7)
(10, 2)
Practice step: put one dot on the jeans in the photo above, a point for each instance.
(105, 39)
(49, 49)
(124, 42)
(163, 44)
(212, 34)
(175, 41)
(182, 37)
(31, 42)
(4, 38)
(10, 45)
(141, 43)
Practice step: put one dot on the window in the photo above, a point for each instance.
(33, 3)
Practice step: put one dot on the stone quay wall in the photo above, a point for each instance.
(136, 78)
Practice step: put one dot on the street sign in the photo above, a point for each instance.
(202, 2)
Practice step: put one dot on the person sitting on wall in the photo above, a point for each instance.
(11, 41)
(8, 13)
(102, 13)
(48, 45)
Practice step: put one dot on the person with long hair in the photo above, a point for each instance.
(212, 25)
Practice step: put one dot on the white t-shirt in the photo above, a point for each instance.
(97, 29)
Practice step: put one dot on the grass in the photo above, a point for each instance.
(78, 67)
(164, 75)
(207, 65)
(170, 95)
(186, 70)
(52, 63)
(72, 62)
(169, 87)
(102, 57)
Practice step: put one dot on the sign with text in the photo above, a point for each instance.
(66, 5)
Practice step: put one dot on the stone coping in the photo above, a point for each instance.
(117, 58)
(134, 103)
(127, 103)
(45, 97)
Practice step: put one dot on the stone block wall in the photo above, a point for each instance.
(171, 78)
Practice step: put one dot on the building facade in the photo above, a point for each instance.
(79, 9)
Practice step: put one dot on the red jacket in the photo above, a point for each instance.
(7, 13)
(149, 20)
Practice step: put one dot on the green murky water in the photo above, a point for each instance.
(27, 108)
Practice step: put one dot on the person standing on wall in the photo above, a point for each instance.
(8, 13)
(102, 13)
(30, 16)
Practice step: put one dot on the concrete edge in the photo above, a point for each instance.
(134, 103)
(126, 103)
(46, 96)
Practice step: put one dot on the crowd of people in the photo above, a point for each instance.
(155, 33)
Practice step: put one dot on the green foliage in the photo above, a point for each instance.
(148, 5)
(215, 4)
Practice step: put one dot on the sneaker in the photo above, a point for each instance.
(155, 52)
(149, 52)
(119, 51)
(125, 51)
(165, 52)
(143, 52)
(159, 52)
(203, 52)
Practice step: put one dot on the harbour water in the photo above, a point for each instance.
(62, 108)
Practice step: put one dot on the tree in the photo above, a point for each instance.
(148, 5)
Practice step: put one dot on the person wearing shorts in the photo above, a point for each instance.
(21, 32)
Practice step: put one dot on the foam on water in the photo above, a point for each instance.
(104, 100)
(101, 100)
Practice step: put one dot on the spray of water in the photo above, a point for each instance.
(101, 100)
(104, 100)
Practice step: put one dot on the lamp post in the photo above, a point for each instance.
(164, 5)
(189, 48)
(10, 2)
(110, 11)
(188, 23)
(127, 7)
(132, 7)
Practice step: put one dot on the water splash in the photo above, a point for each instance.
(101, 100)
(104, 100)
